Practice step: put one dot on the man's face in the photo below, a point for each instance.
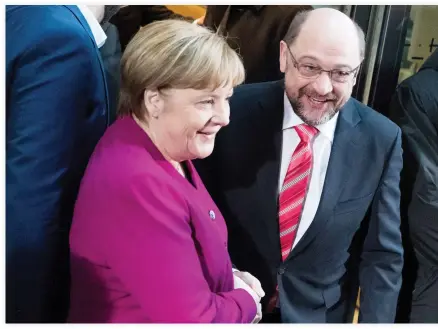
(315, 95)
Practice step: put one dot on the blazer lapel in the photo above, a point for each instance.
(343, 155)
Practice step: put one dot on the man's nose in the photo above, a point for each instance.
(323, 84)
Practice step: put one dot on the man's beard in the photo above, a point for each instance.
(298, 108)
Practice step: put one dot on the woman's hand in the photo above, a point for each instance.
(248, 282)
(251, 281)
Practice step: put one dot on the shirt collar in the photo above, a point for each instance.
(98, 33)
(290, 120)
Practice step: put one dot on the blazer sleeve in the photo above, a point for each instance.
(157, 259)
(382, 255)
(46, 94)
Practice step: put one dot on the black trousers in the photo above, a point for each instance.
(274, 317)
(423, 224)
(424, 307)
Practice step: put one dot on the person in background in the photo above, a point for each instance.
(414, 107)
(297, 169)
(111, 54)
(129, 19)
(255, 32)
(56, 111)
(147, 242)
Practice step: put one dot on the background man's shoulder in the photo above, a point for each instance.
(45, 22)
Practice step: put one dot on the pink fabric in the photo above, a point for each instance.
(147, 245)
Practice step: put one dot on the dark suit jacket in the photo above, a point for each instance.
(255, 32)
(363, 172)
(111, 54)
(414, 108)
(56, 111)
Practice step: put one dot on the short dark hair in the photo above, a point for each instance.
(296, 25)
(301, 17)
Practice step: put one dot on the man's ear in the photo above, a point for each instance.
(283, 56)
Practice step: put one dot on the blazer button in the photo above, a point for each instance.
(281, 271)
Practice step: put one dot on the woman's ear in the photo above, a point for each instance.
(153, 102)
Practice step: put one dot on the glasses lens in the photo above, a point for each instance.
(341, 76)
(309, 71)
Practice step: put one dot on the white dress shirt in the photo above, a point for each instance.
(321, 147)
(92, 21)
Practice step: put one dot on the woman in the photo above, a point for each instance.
(147, 242)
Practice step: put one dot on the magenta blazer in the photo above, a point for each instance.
(146, 244)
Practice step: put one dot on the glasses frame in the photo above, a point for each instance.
(297, 65)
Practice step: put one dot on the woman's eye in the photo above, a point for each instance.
(208, 101)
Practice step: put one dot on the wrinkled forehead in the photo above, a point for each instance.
(331, 46)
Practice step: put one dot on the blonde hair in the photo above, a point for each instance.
(175, 54)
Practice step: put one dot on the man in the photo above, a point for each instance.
(414, 108)
(111, 54)
(255, 32)
(56, 111)
(296, 171)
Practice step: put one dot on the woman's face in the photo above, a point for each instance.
(184, 122)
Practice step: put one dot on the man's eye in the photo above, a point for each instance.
(310, 68)
(341, 74)
(208, 101)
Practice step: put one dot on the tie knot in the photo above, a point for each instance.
(306, 132)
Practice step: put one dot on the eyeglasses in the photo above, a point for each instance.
(312, 71)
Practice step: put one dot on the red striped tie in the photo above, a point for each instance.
(293, 192)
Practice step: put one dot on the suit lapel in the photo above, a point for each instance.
(343, 155)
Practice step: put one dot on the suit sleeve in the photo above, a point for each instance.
(47, 92)
(161, 266)
(413, 109)
(382, 256)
